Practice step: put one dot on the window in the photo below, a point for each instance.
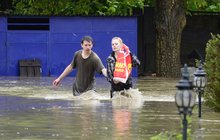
(28, 23)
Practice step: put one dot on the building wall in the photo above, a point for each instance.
(3, 54)
(53, 43)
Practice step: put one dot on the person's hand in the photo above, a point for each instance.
(56, 82)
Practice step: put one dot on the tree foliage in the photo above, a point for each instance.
(99, 7)
(76, 7)
(203, 5)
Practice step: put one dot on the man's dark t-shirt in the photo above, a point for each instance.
(86, 69)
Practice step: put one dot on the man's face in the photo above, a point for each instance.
(87, 46)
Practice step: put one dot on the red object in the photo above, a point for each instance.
(123, 66)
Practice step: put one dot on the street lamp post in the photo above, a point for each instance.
(199, 84)
(185, 98)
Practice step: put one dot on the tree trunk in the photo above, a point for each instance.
(170, 21)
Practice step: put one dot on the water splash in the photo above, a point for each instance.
(131, 98)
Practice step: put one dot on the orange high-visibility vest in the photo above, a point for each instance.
(123, 66)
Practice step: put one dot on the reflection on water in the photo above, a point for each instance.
(122, 122)
(32, 109)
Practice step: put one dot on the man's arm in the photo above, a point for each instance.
(67, 70)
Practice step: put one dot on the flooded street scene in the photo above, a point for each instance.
(109, 70)
(31, 109)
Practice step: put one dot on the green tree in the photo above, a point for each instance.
(203, 5)
(170, 22)
(76, 7)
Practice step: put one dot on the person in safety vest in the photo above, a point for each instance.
(119, 66)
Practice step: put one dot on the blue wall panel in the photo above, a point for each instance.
(26, 45)
(3, 45)
(61, 55)
(27, 37)
(114, 24)
(70, 24)
(26, 51)
(3, 24)
(55, 48)
(64, 38)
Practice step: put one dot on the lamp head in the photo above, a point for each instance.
(200, 78)
(184, 98)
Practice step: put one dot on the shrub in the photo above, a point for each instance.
(212, 68)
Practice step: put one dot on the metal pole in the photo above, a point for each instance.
(184, 127)
(200, 104)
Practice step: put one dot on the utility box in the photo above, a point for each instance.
(30, 68)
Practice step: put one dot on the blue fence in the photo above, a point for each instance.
(55, 42)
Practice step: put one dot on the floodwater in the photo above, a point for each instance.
(31, 109)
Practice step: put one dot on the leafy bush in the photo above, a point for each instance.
(74, 8)
(212, 68)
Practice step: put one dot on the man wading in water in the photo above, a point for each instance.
(87, 64)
